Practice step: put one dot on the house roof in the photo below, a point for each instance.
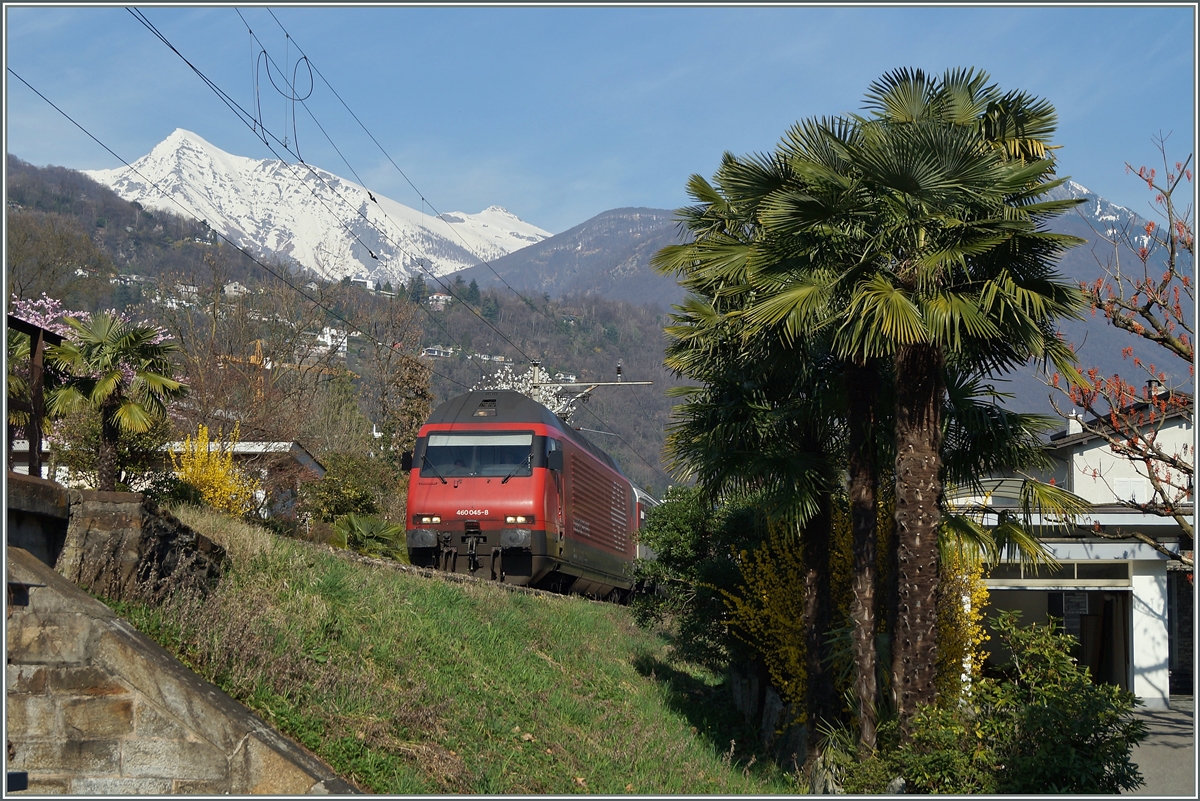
(297, 451)
(1063, 439)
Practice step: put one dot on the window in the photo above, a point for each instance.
(1132, 489)
(1097, 574)
(478, 454)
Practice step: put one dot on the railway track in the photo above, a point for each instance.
(461, 578)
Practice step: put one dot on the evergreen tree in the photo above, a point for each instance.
(473, 296)
(490, 308)
(417, 292)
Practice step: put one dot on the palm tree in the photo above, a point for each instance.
(908, 239)
(917, 235)
(755, 425)
(120, 369)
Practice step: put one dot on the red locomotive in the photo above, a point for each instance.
(501, 488)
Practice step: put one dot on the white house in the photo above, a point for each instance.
(438, 300)
(437, 352)
(1129, 604)
(333, 340)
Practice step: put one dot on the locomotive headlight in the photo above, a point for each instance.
(427, 519)
(518, 519)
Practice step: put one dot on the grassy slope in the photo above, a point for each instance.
(408, 685)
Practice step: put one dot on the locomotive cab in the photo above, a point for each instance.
(500, 488)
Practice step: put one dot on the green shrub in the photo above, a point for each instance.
(1044, 727)
(352, 484)
(694, 546)
(170, 490)
(1053, 729)
(371, 536)
(944, 755)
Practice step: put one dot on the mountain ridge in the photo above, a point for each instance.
(327, 224)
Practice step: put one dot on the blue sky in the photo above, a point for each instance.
(560, 113)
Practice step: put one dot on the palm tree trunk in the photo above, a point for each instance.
(919, 390)
(861, 386)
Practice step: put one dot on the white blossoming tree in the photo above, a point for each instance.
(552, 396)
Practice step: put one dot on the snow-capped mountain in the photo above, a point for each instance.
(1104, 216)
(321, 221)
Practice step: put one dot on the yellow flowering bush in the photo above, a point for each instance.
(770, 618)
(207, 464)
(961, 601)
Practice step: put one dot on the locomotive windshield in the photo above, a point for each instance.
(478, 454)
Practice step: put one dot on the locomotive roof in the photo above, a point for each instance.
(512, 407)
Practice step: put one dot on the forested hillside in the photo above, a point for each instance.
(60, 221)
(259, 352)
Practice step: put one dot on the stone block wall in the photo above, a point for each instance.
(36, 516)
(125, 547)
(96, 708)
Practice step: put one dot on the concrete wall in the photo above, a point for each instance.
(37, 516)
(1149, 631)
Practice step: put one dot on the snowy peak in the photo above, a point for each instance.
(310, 216)
(1105, 215)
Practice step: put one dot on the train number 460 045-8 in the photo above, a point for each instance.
(465, 512)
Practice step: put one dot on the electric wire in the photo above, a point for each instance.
(437, 213)
(424, 200)
(293, 95)
(626, 442)
(316, 302)
(256, 125)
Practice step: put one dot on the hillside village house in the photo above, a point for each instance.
(438, 301)
(333, 340)
(1130, 605)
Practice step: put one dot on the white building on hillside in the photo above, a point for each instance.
(333, 340)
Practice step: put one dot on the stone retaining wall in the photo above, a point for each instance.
(95, 707)
(123, 546)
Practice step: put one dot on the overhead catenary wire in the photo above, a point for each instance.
(283, 279)
(632, 449)
(408, 180)
(421, 195)
(257, 125)
(264, 134)
(418, 261)
(316, 302)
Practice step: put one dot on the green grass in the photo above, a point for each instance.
(407, 685)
